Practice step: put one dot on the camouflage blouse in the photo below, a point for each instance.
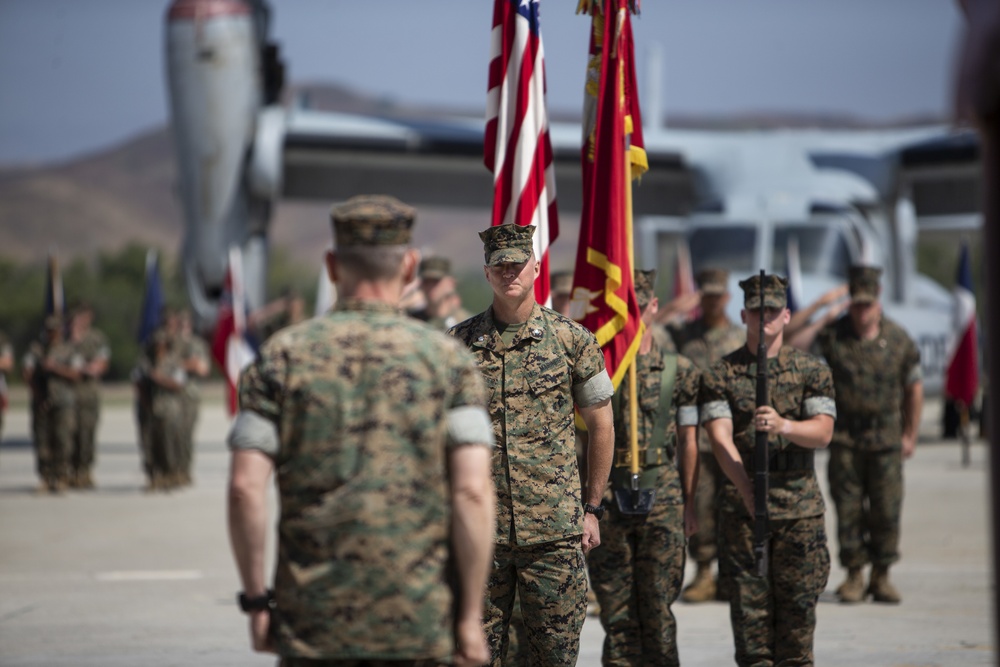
(552, 363)
(800, 387)
(363, 404)
(870, 376)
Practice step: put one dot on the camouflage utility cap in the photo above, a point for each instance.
(508, 243)
(864, 283)
(435, 268)
(372, 220)
(775, 292)
(562, 282)
(644, 283)
(713, 281)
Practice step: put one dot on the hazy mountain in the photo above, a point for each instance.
(126, 194)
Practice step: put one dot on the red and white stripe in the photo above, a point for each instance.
(517, 147)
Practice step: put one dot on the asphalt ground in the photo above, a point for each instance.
(116, 577)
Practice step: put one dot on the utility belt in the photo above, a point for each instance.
(787, 460)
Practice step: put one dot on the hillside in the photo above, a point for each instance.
(126, 194)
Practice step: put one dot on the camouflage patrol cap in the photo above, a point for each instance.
(775, 292)
(435, 267)
(372, 220)
(561, 282)
(864, 283)
(713, 281)
(644, 281)
(507, 243)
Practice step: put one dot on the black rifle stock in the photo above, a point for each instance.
(761, 454)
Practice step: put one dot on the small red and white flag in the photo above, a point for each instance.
(962, 379)
(231, 347)
(517, 148)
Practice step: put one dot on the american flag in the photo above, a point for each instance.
(517, 146)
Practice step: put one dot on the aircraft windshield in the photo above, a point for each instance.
(822, 250)
(728, 246)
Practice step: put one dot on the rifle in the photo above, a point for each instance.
(761, 456)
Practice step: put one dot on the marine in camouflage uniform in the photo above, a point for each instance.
(92, 346)
(877, 375)
(537, 364)
(193, 352)
(377, 429)
(52, 367)
(167, 379)
(773, 617)
(638, 570)
(705, 341)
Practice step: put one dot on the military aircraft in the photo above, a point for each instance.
(740, 200)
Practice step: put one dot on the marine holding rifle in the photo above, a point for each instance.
(773, 616)
(637, 573)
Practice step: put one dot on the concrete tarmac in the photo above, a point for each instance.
(116, 577)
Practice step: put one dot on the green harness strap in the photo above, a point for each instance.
(658, 451)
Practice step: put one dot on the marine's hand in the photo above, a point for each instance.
(768, 420)
(260, 631)
(591, 533)
(832, 296)
(470, 644)
(690, 519)
(909, 445)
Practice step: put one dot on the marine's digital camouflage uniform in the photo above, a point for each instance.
(53, 410)
(533, 383)
(361, 405)
(93, 346)
(705, 346)
(773, 618)
(638, 570)
(191, 346)
(866, 462)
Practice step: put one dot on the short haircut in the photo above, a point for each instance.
(372, 262)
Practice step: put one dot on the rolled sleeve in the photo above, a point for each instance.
(687, 415)
(252, 431)
(715, 410)
(469, 425)
(593, 391)
(819, 405)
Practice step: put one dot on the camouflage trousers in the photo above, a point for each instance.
(867, 490)
(702, 547)
(637, 573)
(551, 583)
(773, 618)
(52, 430)
(313, 662)
(88, 409)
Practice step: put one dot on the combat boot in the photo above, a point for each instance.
(703, 588)
(853, 588)
(86, 481)
(880, 588)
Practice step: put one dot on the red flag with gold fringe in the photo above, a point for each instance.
(603, 291)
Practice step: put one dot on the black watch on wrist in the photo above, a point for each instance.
(257, 602)
(596, 510)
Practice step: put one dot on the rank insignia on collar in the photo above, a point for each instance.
(536, 333)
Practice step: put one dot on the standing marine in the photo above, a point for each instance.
(638, 570)
(773, 617)
(538, 365)
(877, 376)
(92, 347)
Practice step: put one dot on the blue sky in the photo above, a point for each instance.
(80, 75)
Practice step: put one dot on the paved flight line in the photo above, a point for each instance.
(118, 578)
